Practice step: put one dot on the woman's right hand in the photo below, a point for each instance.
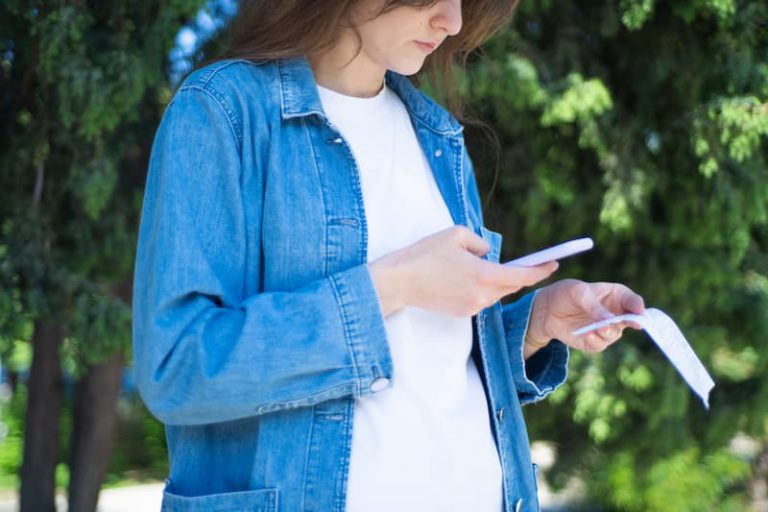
(445, 272)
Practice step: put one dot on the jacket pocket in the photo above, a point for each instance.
(261, 500)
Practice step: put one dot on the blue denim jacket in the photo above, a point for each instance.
(256, 323)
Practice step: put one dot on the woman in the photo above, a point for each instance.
(316, 316)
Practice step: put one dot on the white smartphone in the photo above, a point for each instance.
(553, 253)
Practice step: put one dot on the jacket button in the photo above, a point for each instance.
(500, 414)
(379, 384)
(519, 505)
(438, 152)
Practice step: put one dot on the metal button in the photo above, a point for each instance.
(337, 140)
(379, 384)
(500, 414)
(438, 152)
(519, 505)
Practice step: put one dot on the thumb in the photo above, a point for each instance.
(476, 245)
(594, 307)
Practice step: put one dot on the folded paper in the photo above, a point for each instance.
(670, 340)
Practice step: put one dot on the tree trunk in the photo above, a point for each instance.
(93, 428)
(41, 427)
(13, 381)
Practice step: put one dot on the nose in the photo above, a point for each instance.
(448, 16)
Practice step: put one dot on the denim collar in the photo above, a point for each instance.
(299, 97)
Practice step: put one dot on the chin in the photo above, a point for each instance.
(408, 68)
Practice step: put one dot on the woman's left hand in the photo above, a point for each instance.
(564, 306)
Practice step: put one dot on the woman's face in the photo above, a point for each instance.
(401, 38)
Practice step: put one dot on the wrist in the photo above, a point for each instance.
(536, 342)
(536, 337)
(532, 345)
(388, 282)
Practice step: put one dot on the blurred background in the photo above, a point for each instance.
(641, 123)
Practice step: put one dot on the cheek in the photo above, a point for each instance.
(392, 35)
(391, 46)
(394, 47)
(383, 42)
(385, 50)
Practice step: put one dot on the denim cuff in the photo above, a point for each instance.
(545, 370)
(364, 328)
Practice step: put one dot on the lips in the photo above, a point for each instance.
(427, 47)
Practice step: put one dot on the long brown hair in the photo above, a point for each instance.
(273, 29)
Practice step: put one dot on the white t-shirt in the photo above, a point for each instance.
(425, 442)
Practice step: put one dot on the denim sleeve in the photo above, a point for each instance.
(203, 351)
(544, 371)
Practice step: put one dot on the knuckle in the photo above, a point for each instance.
(592, 344)
(459, 232)
(581, 289)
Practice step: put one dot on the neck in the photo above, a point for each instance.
(340, 70)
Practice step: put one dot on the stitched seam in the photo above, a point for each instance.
(225, 110)
(522, 347)
(229, 110)
(341, 493)
(347, 334)
(299, 402)
(460, 177)
(434, 129)
(419, 95)
(214, 70)
(306, 462)
(323, 178)
(491, 395)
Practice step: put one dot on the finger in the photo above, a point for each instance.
(611, 337)
(473, 243)
(513, 276)
(633, 325)
(590, 303)
(609, 332)
(619, 298)
(594, 343)
(633, 302)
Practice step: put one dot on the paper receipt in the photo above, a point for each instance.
(670, 340)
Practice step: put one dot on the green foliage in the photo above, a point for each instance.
(686, 481)
(11, 437)
(636, 13)
(82, 88)
(642, 123)
(645, 125)
(729, 129)
(79, 90)
(140, 449)
(92, 316)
